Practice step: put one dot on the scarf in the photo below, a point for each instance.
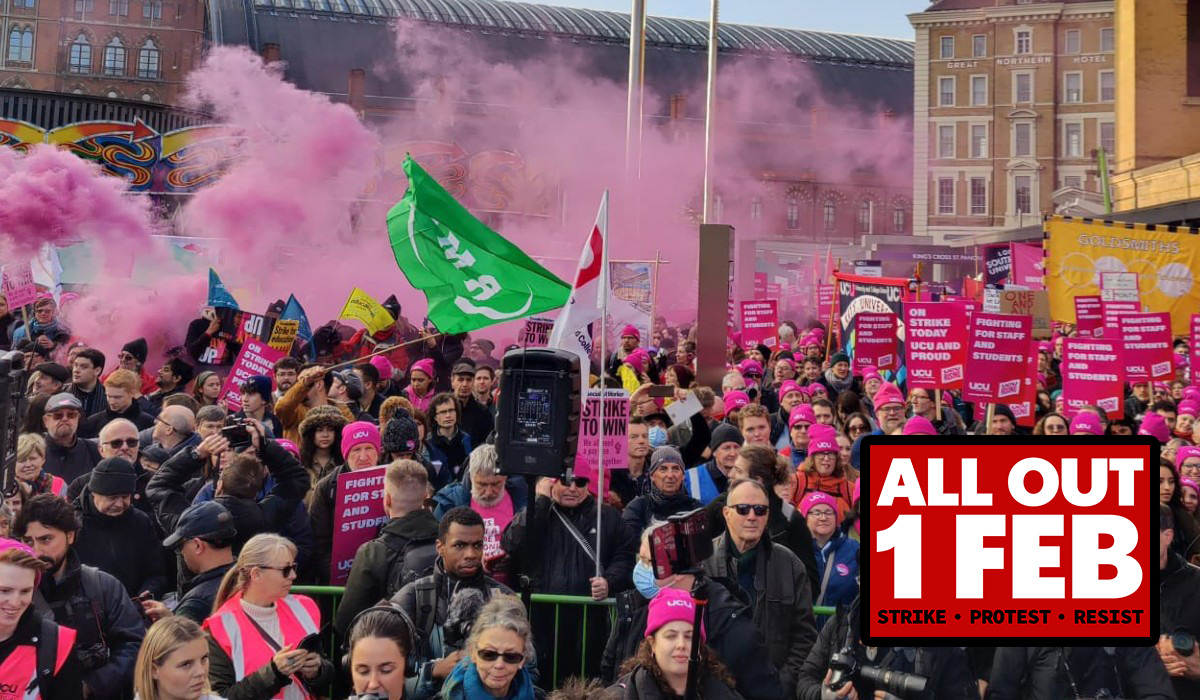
(662, 503)
(41, 484)
(463, 684)
(838, 385)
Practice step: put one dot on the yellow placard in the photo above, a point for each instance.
(284, 334)
(1167, 263)
(362, 308)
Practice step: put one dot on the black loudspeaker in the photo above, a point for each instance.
(537, 421)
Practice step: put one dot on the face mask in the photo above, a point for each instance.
(643, 580)
(658, 437)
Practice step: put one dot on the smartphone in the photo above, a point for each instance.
(311, 643)
(662, 391)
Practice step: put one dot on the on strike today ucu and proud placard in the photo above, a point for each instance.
(999, 540)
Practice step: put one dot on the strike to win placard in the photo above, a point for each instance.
(1003, 542)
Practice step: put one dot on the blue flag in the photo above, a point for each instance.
(294, 312)
(218, 295)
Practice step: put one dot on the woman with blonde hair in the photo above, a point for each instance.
(257, 624)
(497, 652)
(31, 457)
(173, 662)
(28, 640)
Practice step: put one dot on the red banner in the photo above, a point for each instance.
(997, 361)
(1089, 316)
(825, 294)
(760, 323)
(1093, 373)
(1027, 266)
(1147, 347)
(1114, 310)
(875, 341)
(1025, 410)
(357, 514)
(935, 346)
(256, 357)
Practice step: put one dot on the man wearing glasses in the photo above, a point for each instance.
(923, 405)
(769, 575)
(67, 456)
(889, 408)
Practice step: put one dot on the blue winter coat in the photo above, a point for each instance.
(843, 579)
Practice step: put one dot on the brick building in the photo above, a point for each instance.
(1011, 100)
(119, 49)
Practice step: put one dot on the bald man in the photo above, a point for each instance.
(175, 429)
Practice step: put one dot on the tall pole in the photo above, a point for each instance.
(710, 110)
(633, 114)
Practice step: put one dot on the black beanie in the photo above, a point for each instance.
(112, 477)
(400, 435)
(138, 349)
(724, 433)
(1002, 409)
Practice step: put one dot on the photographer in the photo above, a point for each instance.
(945, 668)
(770, 577)
(1051, 673)
(1179, 583)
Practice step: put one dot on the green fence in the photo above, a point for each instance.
(569, 611)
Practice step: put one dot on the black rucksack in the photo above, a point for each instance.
(408, 560)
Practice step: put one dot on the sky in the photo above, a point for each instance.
(870, 17)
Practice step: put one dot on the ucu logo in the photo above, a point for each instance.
(679, 603)
(359, 434)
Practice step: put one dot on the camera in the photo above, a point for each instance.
(237, 432)
(93, 656)
(681, 544)
(846, 667)
(1183, 641)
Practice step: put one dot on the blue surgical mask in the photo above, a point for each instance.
(658, 436)
(643, 580)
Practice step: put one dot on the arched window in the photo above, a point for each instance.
(829, 216)
(864, 216)
(81, 54)
(793, 213)
(114, 57)
(20, 45)
(148, 61)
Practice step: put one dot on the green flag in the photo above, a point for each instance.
(472, 277)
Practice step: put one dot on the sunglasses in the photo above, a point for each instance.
(743, 509)
(64, 415)
(510, 657)
(285, 571)
(127, 442)
(579, 482)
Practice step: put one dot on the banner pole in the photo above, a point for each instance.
(389, 348)
(832, 312)
(604, 292)
(937, 403)
(991, 412)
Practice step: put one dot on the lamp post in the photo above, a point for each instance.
(710, 111)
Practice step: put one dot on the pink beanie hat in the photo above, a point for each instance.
(887, 394)
(1188, 407)
(425, 366)
(1086, 422)
(631, 330)
(822, 439)
(638, 359)
(385, 367)
(801, 414)
(1185, 453)
(1188, 482)
(358, 433)
(290, 447)
(813, 499)
(671, 605)
(735, 400)
(918, 425)
(788, 387)
(1156, 426)
(7, 544)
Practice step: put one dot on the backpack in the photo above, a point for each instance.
(408, 560)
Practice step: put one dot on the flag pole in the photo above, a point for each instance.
(600, 493)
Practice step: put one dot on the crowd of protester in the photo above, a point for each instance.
(154, 537)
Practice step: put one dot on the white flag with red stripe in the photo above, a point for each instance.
(589, 295)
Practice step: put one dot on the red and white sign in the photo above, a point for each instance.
(935, 344)
(1147, 347)
(606, 410)
(1089, 316)
(256, 357)
(536, 333)
(18, 285)
(825, 296)
(1003, 541)
(760, 322)
(358, 513)
(997, 357)
(1114, 310)
(875, 342)
(1093, 372)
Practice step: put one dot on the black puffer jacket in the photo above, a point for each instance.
(651, 507)
(1178, 585)
(641, 685)
(70, 463)
(1039, 673)
(126, 547)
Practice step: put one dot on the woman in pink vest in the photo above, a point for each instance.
(173, 662)
(35, 654)
(257, 624)
(31, 457)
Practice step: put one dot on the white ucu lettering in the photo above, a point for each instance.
(679, 603)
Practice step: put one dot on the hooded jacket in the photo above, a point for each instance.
(106, 543)
(72, 462)
(731, 635)
(368, 580)
(781, 601)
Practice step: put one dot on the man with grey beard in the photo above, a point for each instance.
(488, 492)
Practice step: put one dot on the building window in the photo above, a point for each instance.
(829, 216)
(979, 141)
(979, 90)
(978, 196)
(756, 209)
(1074, 181)
(947, 45)
(20, 45)
(82, 6)
(979, 46)
(1072, 88)
(28, 4)
(864, 217)
(793, 213)
(1108, 40)
(81, 55)
(152, 9)
(898, 220)
(1024, 42)
(1023, 194)
(1071, 41)
(114, 57)
(1022, 88)
(1073, 140)
(1108, 138)
(945, 195)
(148, 70)
(120, 8)
(1108, 86)
(946, 92)
(946, 141)
(1022, 139)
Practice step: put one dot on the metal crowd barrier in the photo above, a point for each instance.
(328, 597)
